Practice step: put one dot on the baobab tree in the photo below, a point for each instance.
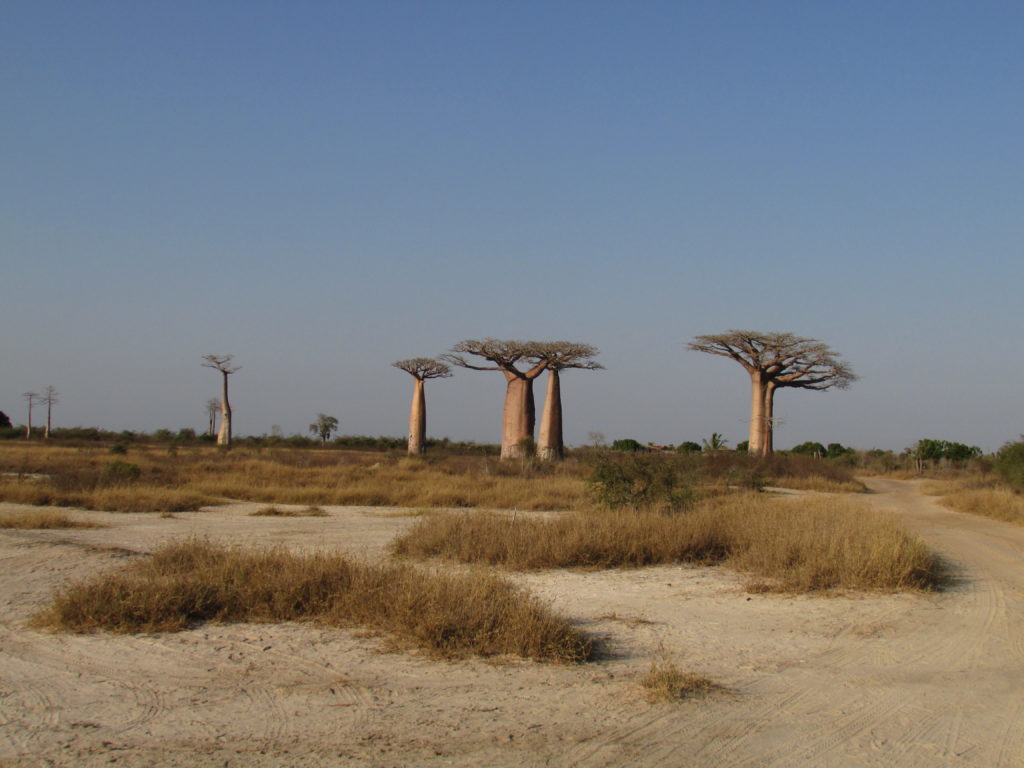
(31, 398)
(50, 398)
(222, 363)
(212, 408)
(774, 361)
(519, 413)
(421, 369)
(560, 356)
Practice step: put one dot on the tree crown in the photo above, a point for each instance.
(424, 368)
(221, 363)
(503, 353)
(781, 359)
(561, 355)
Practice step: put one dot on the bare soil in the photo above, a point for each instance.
(853, 680)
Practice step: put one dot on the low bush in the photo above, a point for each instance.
(638, 481)
(190, 582)
(1010, 465)
(665, 682)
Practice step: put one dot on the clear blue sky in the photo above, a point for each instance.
(322, 188)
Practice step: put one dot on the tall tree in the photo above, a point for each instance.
(774, 361)
(520, 412)
(50, 398)
(421, 369)
(212, 408)
(223, 364)
(31, 398)
(560, 356)
(323, 427)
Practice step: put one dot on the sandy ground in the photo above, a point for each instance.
(857, 680)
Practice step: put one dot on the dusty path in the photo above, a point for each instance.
(852, 681)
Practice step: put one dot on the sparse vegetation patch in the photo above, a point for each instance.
(190, 582)
(788, 544)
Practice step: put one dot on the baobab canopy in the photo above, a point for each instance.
(775, 360)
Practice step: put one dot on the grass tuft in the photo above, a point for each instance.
(664, 681)
(187, 583)
(278, 512)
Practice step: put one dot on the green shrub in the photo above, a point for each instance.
(638, 481)
(688, 446)
(118, 450)
(628, 444)
(120, 472)
(1010, 464)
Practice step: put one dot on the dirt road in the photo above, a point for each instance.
(890, 680)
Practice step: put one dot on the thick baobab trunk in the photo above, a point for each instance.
(28, 427)
(418, 419)
(755, 447)
(46, 434)
(549, 445)
(518, 419)
(224, 436)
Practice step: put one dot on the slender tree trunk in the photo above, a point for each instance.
(418, 418)
(224, 436)
(768, 444)
(517, 422)
(28, 428)
(49, 408)
(550, 446)
(757, 398)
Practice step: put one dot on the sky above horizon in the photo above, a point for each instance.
(324, 188)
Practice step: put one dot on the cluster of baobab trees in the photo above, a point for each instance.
(772, 360)
(47, 397)
(521, 362)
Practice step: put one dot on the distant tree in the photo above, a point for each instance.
(836, 450)
(223, 364)
(931, 451)
(774, 361)
(742, 446)
(519, 412)
(810, 448)
(714, 443)
(560, 356)
(323, 427)
(212, 407)
(596, 439)
(627, 444)
(31, 398)
(49, 397)
(1010, 464)
(421, 369)
(688, 446)
(5, 421)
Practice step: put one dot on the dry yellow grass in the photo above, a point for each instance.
(665, 682)
(41, 519)
(788, 544)
(190, 582)
(278, 512)
(988, 497)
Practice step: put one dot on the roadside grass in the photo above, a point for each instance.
(187, 583)
(278, 512)
(41, 519)
(786, 545)
(985, 496)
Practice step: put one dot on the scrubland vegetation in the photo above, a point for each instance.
(190, 582)
(783, 544)
(152, 478)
